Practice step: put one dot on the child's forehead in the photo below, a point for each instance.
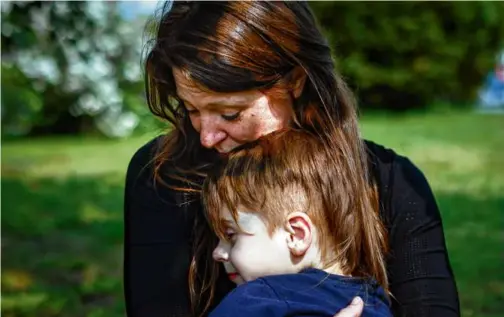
(244, 217)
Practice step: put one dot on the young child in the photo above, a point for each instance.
(293, 247)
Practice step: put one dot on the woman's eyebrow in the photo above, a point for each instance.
(218, 105)
(229, 102)
(236, 103)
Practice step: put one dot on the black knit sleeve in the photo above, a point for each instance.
(421, 278)
(156, 244)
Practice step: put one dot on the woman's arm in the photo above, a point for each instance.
(420, 275)
(156, 244)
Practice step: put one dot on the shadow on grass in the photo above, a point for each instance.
(62, 248)
(474, 230)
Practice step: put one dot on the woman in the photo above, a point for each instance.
(224, 74)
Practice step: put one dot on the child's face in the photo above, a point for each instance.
(253, 253)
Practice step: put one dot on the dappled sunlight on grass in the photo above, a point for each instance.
(458, 152)
(461, 155)
(22, 303)
(90, 213)
(62, 238)
(16, 280)
(448, 156)
(63, 158)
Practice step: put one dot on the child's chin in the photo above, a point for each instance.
(239, 281)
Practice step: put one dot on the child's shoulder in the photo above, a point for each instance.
(327, 293)
(311, 281)
(311, 290)
(268, 296)
(254, 298)
(295, 282)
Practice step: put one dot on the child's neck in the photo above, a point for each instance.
(334, 269)
(313, 259)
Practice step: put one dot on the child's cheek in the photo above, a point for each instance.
(242, 260)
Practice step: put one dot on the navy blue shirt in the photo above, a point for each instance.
(311, 292)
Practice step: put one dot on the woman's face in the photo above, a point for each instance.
(227, 120)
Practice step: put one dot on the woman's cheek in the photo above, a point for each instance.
(195, 122)
(247, 129)
(240, 132)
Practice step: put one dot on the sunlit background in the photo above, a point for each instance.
(429, 77)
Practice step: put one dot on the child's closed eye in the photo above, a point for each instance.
(230, 235)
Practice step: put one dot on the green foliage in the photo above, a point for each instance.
(75, 67)
(402, 55)
(70, 68)
(25, 104)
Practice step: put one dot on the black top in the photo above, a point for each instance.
(158, 248)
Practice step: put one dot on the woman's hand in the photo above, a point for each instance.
(353, 310)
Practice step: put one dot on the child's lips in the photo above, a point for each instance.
(233, 275)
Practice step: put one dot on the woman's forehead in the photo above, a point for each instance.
(186, 87)
(195, 94)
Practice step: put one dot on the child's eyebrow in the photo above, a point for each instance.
(228, 223)
(223, 228)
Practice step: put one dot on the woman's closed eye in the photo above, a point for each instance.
(227, 117)
(231, 117)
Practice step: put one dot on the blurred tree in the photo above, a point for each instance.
(402, 55)
(70, 67)
(74, 67)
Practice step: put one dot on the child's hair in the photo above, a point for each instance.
(292, 170)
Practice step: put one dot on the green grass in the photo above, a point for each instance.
(62, 212)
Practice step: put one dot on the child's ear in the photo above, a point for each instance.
(297, 80)
(299, 227)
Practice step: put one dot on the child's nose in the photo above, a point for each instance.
(220, 253)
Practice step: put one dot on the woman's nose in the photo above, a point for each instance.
(210, 133)
(221, 253)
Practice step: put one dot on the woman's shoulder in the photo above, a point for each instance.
(380, 154)
(145, 154)
(141, 163)
(388, 163)
(396, 175)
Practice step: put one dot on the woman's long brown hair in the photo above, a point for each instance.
(243, 45)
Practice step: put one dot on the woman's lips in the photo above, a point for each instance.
(232, 276)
